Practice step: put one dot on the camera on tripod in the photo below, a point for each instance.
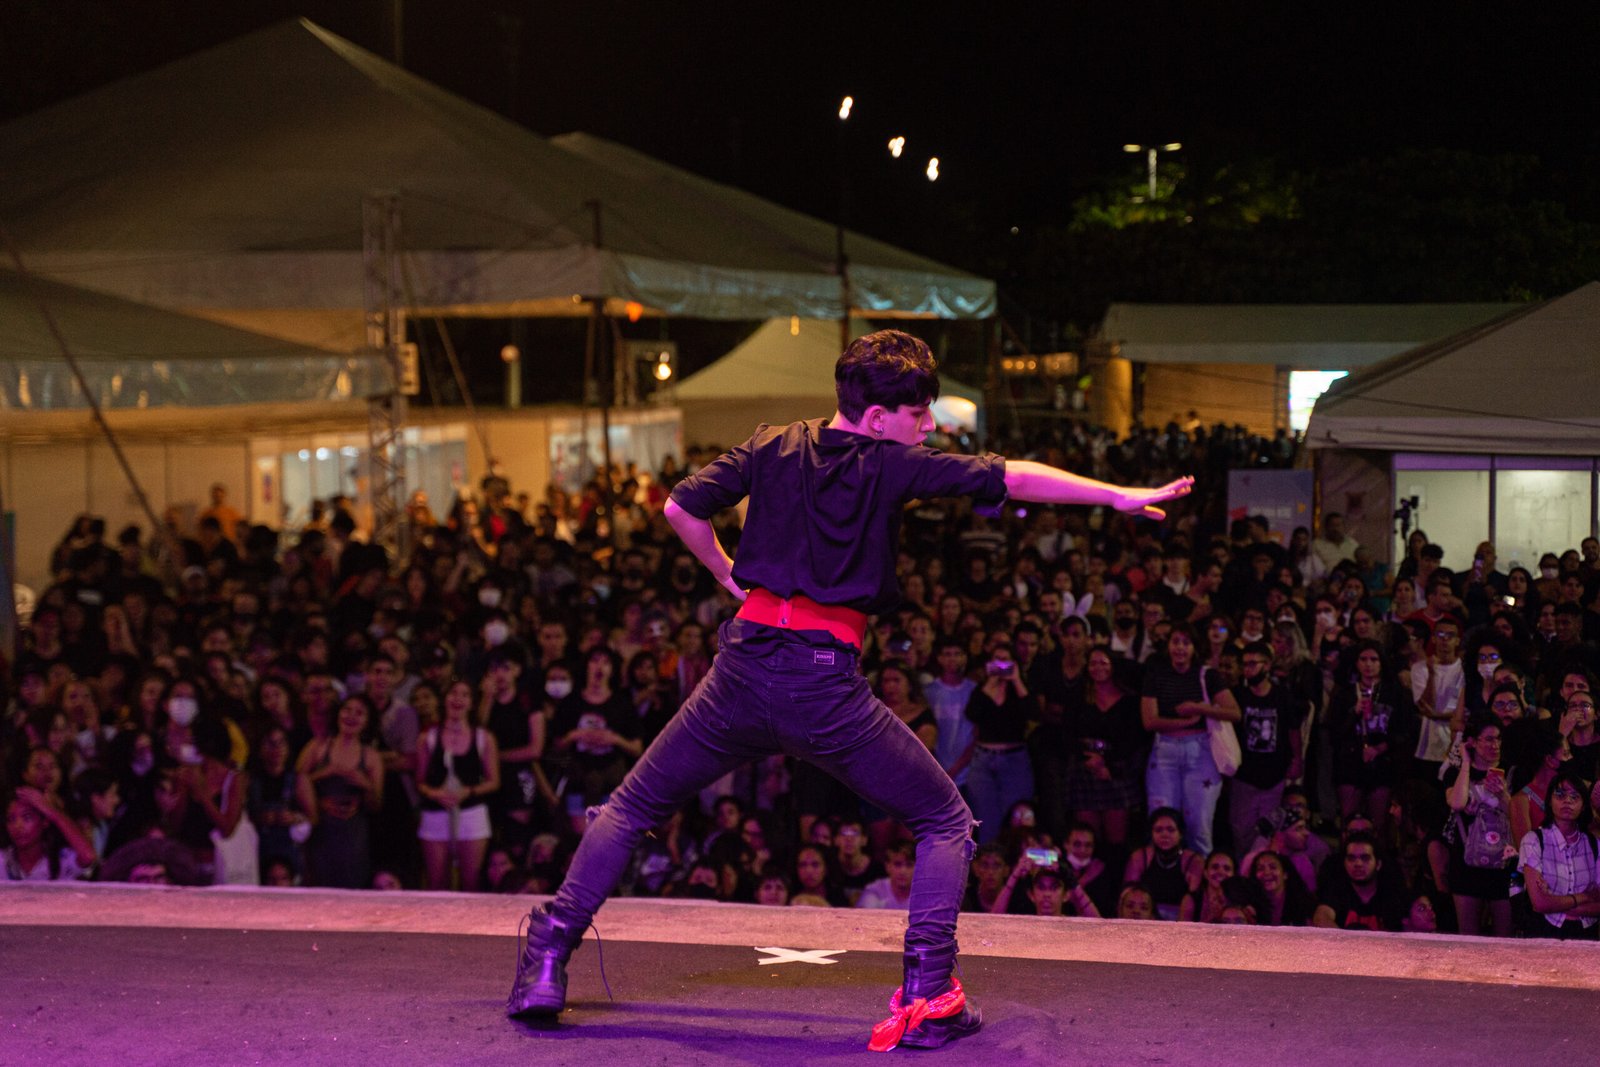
(1402, 514)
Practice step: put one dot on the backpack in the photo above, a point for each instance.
(1488, 840)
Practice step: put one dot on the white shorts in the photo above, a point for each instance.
(472, 824)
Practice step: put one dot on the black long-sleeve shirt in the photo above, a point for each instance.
(825, 507)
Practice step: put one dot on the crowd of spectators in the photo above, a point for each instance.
(1417, 745)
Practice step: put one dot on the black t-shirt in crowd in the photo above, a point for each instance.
(1005, 723)
(1171, 688)
(1263, 729)
(617, 715)
(1384, 911)
(825, 507)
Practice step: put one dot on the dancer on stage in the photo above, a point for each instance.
(815, 559)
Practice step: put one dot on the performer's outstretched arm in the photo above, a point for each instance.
(700, 538)
(1043, 484)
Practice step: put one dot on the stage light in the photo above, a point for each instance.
(896, 146)
(845, 105)
(933, 169)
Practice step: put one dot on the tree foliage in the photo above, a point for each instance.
(1423, 226)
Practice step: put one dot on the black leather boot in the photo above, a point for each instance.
(541, 983)
(930, 1009)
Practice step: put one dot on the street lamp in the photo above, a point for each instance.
(1150, 156)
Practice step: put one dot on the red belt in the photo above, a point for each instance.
(803, 613)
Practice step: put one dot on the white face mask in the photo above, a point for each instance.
(489, 598)
(1547, 572)
(183, 710)
(495, 633)
(558, 688)
(1075, 863)
(1486, 671)
(1325, 618)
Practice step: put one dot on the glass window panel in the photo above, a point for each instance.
(1537, 512)
(1452, 508)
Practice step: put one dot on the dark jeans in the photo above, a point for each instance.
(1571, 930)
(771, 691)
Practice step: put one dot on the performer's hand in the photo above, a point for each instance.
(1143, 501)
(731, 586)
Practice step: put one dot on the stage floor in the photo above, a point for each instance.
(125, 975)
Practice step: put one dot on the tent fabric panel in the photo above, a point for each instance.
(1508, 386)
(297, 127)
(773, 362)
(1302, 355)
(135, 356)
(1180, 325)
(677, 189)
(1471, 434)
(45, 385)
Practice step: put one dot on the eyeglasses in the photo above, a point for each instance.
(1567, 794)
(1488, 657)
(1506, 705)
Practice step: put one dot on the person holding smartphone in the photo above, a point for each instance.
(1001, 709)
(1479, 794)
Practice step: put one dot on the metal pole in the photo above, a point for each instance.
(158, 529)
(386, 410)
(10, 632)
(605, 376)
(842, 265)
(1152, 158)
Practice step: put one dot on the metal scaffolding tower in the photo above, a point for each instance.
(386, 411)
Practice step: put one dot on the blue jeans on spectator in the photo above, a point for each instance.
(771, 691)
(1182, 775)
(995, 781)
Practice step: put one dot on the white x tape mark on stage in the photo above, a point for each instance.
(789, 955)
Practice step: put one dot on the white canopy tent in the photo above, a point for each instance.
(138, 357)
(233, 180)
(1520, 384)
(783, 372)
(1491, 434)
(186, 397)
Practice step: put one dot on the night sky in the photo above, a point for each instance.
(1027, 105)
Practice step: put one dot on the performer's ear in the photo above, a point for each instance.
(873, 418)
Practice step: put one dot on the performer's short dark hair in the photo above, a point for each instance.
(890, 368)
